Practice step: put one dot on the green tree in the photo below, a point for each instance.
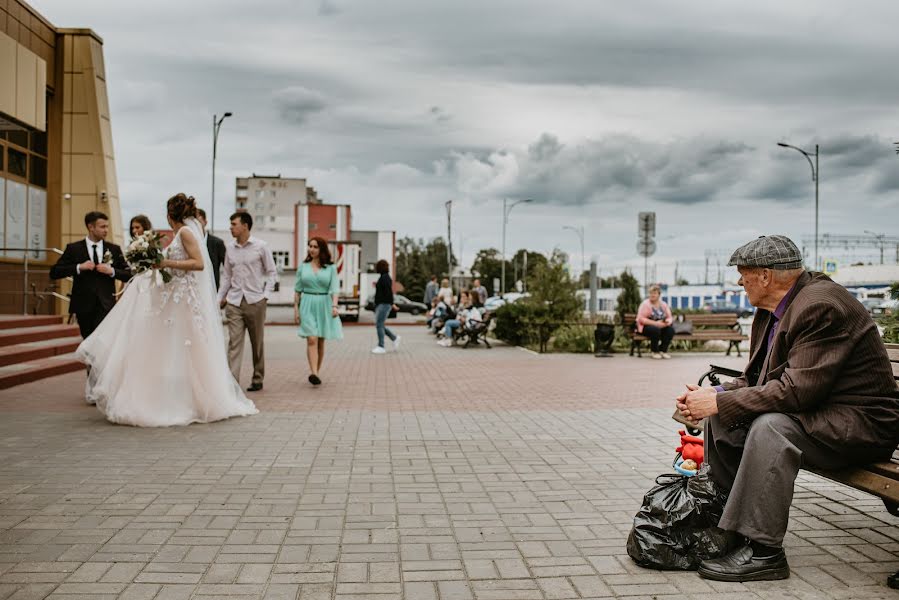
(488, 264)
(553, 303)
(533, 261)
(630, 298)
(417, 260)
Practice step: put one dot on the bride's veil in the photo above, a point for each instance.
(207, 295)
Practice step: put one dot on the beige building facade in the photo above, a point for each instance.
(56, 152)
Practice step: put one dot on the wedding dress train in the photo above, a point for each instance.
(158, 358)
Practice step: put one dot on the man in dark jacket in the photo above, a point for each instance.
(215, 245)
(818, 392)
(94, 264)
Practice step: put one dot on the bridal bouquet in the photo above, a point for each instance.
(145, 252)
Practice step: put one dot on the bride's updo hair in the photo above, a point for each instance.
(181, 207)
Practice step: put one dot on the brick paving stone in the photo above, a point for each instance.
(394, 479)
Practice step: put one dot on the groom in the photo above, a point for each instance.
(94, 264)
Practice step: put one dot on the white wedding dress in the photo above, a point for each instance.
(158, 358)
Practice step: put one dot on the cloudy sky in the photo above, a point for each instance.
(595, 109)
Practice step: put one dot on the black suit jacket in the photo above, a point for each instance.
(216, 247)
(91, 288)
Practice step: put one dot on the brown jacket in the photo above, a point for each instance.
(827, 367)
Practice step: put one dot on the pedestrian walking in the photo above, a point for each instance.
(247, 283)
(315, 304)
(383, 305)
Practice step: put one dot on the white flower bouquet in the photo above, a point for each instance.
(145, 252)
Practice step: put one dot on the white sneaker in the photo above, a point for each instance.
(396, 342)
(657, 356)
(665, 355)
(446, 342)
(378, 350)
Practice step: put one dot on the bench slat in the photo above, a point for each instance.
(867, 481)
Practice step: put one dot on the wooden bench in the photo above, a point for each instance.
(880, 479)
(706, 327)
(476, 334)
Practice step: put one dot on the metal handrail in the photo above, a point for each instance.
(25, 271)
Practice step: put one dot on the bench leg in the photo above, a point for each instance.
(635, 344)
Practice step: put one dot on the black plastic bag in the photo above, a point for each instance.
(677, 526)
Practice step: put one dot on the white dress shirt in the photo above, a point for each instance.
(249, 272)
(90, 253)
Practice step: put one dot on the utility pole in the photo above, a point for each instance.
(449, 238)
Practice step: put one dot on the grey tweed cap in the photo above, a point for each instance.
(776, 252)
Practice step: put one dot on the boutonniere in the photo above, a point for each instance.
(107, 258)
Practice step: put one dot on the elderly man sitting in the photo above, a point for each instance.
(818, 391)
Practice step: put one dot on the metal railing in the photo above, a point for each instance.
(39, 296)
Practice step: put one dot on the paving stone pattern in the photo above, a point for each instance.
(426, 474)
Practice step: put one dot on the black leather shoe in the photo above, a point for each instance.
(254, 387)
(739, 566)
(314, 380)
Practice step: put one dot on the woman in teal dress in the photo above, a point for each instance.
(315, 304)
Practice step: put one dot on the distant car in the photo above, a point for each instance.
(403, 304)
(494, 302)
(723, 306)
(877, 306)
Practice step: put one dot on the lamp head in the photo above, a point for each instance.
(227, 114)
(782, 145)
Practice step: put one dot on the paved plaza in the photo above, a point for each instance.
(425, 474)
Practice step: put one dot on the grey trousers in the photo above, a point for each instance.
(759, 466)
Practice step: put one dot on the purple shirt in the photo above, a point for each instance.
(778, 315)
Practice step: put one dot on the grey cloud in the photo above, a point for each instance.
(296, 103)
(328, 8)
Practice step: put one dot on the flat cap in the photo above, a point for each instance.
(776, 252)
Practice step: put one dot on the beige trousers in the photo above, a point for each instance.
(246, 318)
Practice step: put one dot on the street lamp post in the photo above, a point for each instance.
(879, 237)
(815, 178)
(216, 125)
(580, 233)
(507, 208)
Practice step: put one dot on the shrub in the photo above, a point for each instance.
(511, 323)
(573, 338)
(890, 323)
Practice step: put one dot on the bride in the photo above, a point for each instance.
(158, 358)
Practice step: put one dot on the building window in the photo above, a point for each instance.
(37, 174)
(260, 206)
(271, 219)
(19, 138)
(313, 226)
(282, 258)
(260, 194)
(17, 162)
(39, 142)
(333, 226)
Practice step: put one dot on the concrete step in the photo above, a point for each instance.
(19, 321)
(23, 335)
(33, 370)
(19, 353)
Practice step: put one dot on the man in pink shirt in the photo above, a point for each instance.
(248, 280)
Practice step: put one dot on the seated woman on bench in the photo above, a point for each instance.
(654, 321)
(468, 317)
